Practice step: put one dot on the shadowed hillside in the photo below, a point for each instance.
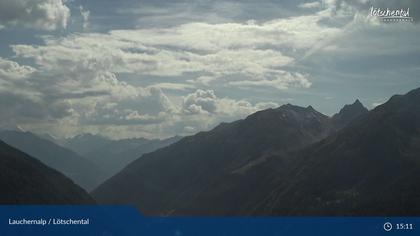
(25, 180)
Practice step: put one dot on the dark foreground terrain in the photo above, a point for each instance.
(25, 180)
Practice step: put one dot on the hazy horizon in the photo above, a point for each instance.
(42, 134)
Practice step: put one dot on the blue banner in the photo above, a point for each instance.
(126, 220)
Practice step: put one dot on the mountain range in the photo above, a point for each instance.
(370, 167)
(286, 161)
(87, 159)
(113, 155)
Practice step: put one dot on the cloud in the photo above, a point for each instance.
(297, 32)
(12, 70)
(92, 98)
(375, 104)
(205, 102)
(203, 109)
(281, 81)
(202, 80)
(38, 14)
(87, 91)
(229, 51)
(310, 5)
(200, 102)
(174, 78)
(21, 100)
(85, 17)
(172, 86)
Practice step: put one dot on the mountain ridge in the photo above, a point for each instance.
(257, 165)
(348, 113)
(25, 180)
(79, 169)
(364, 177)
(208, 157)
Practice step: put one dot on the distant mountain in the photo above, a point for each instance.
(169, 179)
(116, 154)
(25, 180)
(107, 154)
(371, 167)
(14, 127)
(349, 113)
(285, 161)
(79, 169)
(85, 143)
(113, 155)
(51, 138)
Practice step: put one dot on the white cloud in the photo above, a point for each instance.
(248, 50)
(21, 100)
(66, 98)
(104, 51)
(203, 109)
(202, 80)
(205, 102)
(12, 70)
(189, 129)
(298, 32)
(38, 14)
(375, 104)
(85, 17)
(310, 5)
(281, 81)
(200, 102)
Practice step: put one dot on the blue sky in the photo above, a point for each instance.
(162, 68)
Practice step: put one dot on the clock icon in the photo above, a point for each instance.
(387, 226)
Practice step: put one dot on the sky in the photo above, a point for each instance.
(158, 68)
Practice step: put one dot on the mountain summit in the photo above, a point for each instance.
(204, 173)
(348, 113)
(370, 167)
